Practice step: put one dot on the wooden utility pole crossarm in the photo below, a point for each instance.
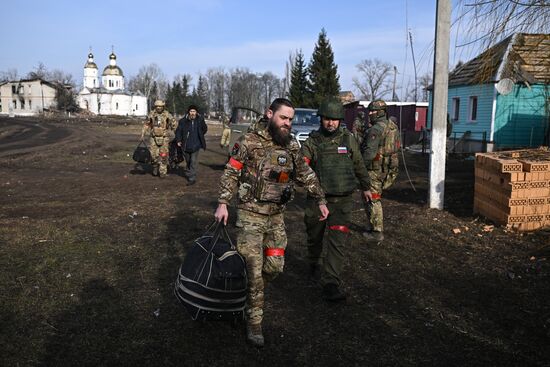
(439, 108)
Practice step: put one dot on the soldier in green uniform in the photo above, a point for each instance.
(335, 156)
(160, 126)
(359, 127)
(262, 169)
(380, 148)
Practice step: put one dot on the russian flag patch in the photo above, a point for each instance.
(342, 150)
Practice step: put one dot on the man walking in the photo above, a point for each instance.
(190, 137)
(263, 167)
(160, 125)
(334, 155)
(380, 149)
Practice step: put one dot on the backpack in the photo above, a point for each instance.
(212, 281)
(142, 153)
(392, 140)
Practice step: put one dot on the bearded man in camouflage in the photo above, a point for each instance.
(334, 155)
(160, 125)
(263, 167)
(380, 148)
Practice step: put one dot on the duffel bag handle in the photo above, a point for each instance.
(219, 230)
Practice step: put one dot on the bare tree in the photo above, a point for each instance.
(374, 80)
(425, 81)
(149, 80)
(216, 79)
(9, 75)
(489, 21)
(40, 71)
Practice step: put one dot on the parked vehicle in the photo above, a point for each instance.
(305, 121)
(241, 118)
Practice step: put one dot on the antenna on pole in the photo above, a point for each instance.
(414, 66)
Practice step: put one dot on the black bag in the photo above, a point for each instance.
(212, 280)
(175, 153)
(142, 153)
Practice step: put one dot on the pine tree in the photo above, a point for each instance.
(323, 72)
(299, 93)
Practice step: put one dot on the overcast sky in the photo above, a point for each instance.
(191, 36)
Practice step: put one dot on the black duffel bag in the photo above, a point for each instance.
(142, 153)
(212, 280)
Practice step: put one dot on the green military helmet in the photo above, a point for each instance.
(159, 103)
(332, 109)
(379, 106)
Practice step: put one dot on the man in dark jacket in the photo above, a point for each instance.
(190, 137)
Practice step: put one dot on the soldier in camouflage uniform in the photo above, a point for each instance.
(226, 131)
(359, 127)
(259, 124)
(335, 156)
(380, 149)
(160, 126)
(262, 169)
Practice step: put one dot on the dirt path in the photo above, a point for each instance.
(90, 245)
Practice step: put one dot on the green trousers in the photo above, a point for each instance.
(335, 229)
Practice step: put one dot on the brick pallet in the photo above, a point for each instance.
(513, 188)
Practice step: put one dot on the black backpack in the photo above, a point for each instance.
(142, 153)
(212, 281)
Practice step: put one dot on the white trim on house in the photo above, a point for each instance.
(493, 113)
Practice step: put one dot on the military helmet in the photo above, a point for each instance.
(159, 103)
(377, 105)
(332, 109)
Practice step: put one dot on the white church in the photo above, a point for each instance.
(109, 97)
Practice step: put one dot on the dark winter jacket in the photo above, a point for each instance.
(185, 129)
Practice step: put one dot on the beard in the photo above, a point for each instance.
(281, 136)
(327, 132)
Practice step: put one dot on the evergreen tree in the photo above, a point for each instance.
(299, 93)
(323, 72)
(202, 94)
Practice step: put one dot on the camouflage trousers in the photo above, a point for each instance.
(226, 136)
(336, 231)
(262, 242)
(375, 215)
(159, 148)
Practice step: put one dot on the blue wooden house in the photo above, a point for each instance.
(501, 99)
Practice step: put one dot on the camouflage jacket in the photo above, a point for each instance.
(159, 124)
(243, 173)
(359, 129)
(259, 124)
(341, 144)
(376, 154)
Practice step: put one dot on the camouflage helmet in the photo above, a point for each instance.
(378, 106)
(332, 109)
(159, 103)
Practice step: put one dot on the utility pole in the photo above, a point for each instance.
(439, 104)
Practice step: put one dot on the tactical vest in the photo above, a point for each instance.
(159, 124)
(334, 166)
(271, 177)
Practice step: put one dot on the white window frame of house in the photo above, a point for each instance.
(14, 104)
(456, 109)
(29, 92)
(13, 89)
(471, 110)
(22, 104)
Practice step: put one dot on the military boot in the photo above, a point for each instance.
(374, 237)
(332, 293)
(254, 334)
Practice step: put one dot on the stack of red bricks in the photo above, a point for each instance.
(513, 188)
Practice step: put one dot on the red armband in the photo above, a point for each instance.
(235, 164)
